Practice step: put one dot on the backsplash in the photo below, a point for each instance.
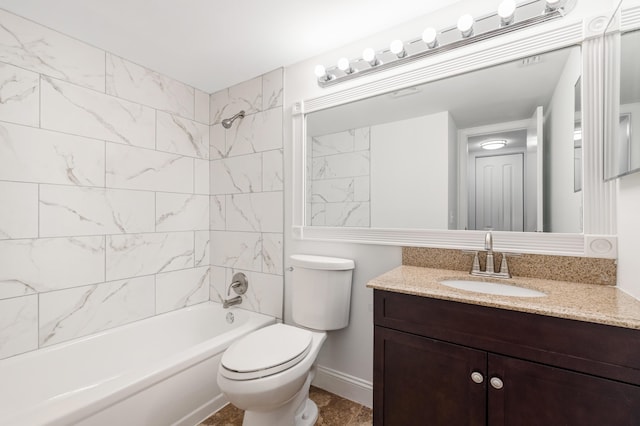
(586, 270)
(247, 187)
(104, 182)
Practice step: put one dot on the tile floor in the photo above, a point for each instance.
(334, 411)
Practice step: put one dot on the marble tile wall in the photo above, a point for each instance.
(105, 189)
(339, 179)
(246, 202)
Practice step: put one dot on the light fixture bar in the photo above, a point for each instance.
(527, 14)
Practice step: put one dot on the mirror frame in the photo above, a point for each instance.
(599, 238)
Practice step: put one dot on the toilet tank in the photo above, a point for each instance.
(321, 291)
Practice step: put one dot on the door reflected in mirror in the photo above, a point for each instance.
(489, 149)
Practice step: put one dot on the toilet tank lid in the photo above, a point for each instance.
(321, 262)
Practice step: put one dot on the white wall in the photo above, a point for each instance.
(565, 205)
(405, 154)
(629, 234)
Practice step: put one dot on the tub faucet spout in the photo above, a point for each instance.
(230, 302)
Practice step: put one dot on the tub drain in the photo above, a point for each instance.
(230, 317)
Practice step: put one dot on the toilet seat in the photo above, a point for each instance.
(265, 352)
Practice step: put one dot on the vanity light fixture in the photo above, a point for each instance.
(430, 37)
(465, 25)
(397, 48)
(344, 66)
(493, 144)
(509, 17)
(369, 55)
(321, 73)
(553, 4)
(507, 12)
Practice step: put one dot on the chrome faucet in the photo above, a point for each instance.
(239, 284)
(490, 268)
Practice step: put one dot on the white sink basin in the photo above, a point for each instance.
(492, 288)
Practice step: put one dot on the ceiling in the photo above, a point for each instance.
(213, 44)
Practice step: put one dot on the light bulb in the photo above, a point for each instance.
(553, 4)
(465, 25)
(506, 11)
(343, 65)
(430, 37)
(397, 48)
(369, 55)
(320, 71)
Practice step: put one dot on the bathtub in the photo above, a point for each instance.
(159, 371)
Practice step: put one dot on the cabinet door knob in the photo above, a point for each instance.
(496, 383)
(477, 377)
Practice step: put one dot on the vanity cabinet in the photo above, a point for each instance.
(439, 362)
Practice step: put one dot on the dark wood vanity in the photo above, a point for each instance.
(441, 362)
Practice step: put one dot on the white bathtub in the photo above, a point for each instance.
(159, 371)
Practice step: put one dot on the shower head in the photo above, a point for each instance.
(227, 122)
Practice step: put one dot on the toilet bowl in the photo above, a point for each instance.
(268, 372)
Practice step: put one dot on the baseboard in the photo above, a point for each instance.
(344, 385)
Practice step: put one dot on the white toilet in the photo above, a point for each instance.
(268, 372)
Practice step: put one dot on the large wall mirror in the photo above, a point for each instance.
(622, 81)
(407, 158)
(488, 149)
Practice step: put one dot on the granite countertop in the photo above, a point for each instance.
(584, 302)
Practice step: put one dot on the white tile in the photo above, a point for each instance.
(68, 211)
(201, 176)
(341, 165)
(361, 190)
(332, 190)
(217, 142)
(179, 289)
(240, 250)
(246, 96)
(318, 214)
(218, 284)
(260, 212)
(18, 210)
(79, 111)
(272, 171)
(334, 143)
(37, 48)
(272, 89)
(38, 265)
(347, 214)
(18, 325)
(137, 168)
(202, 248)
(217, 213)
(237, 175)
(19, 95)
(218, 104)
(182, 136)
(68, 314)
(202, 107)
(144, 254)
(135, 83)
(180, 212)
(361, 139)
(272, 253)
(257, 132)
(34, 155)
(264, 294)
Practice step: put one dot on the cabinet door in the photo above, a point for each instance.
(421, 381)
(536, 394)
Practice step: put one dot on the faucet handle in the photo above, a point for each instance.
(239, 284)
(504, 266)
